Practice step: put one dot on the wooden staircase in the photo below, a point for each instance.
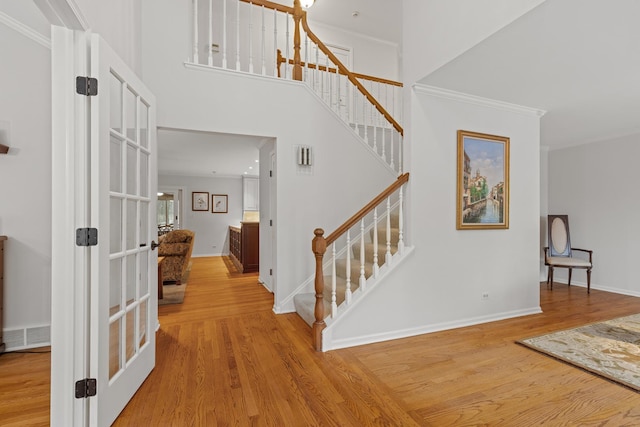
(305, 302)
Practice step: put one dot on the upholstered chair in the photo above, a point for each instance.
(176, 247)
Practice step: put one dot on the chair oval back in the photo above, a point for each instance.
(559, 241)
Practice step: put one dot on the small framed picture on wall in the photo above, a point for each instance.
(219, 203)
(200, 201)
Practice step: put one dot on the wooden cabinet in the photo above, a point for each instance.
(250, 194)
(2, 239)
(244, 246)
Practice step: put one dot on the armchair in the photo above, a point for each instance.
(559, 252)
(176, 246)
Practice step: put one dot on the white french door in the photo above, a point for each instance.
(123, 301)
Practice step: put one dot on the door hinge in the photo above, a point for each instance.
(86, 237)
(271, 223)
(271, 272)
(86, 86)
(86, 388)
(270, 174)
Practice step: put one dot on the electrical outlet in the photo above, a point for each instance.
(485, 295)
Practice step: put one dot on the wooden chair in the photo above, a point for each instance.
(559, 252)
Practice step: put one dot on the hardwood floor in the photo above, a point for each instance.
(225, 359)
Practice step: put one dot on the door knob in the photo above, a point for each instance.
(154, 245)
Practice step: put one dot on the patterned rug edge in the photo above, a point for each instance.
(574, 363)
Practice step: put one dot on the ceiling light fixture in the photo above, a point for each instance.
(307, 3)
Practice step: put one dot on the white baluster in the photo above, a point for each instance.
(365, 101)
(363, 280)
(330, 88)
(387, 259)
(391, 147)
(251, 38)
(317, 70)
(275, 43)
(264, 32)
(224, 34)
(347, 294)
(400, 222)
(376, 267)
(306, 58)
(339, 101)
(287, 74)
(334, 306)
(400, 154)
(375, 139)
(195, 31)
(209, 48)
(238, 36)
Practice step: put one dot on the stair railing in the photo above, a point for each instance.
(247, 35)
(387, 208)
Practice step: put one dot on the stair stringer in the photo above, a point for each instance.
(359, 298)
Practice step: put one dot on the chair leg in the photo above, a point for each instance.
(569, 282)
(551, 278)
(589, 281)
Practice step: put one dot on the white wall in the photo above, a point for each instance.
(25, 176)
(436, 31)
(596, 185)
(228, 102)
(212, 230)
(378, 58)
(118, 22)
(440, 285)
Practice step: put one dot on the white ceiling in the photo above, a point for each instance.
(577, 59)
(209, 154)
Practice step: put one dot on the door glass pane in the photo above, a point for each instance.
(115, 168)
(131, 349)
(130, 115)
(144, 223)
(132, 214)
(115, 219)
(144, 125)
(144, 272)
(114, 347)
(144, 174)
(115, 284)
(115, 101)
(132, 161)
(131, 278)
(144, 313)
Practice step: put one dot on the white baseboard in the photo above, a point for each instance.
(599, 287)
(330, 344)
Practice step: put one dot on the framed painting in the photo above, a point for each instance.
(200, 201)
(482, 181)
(219, 203)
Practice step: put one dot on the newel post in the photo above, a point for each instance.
(319, 247)
(297, 64)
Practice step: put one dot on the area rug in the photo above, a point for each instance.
(174, 294)
(610, 349)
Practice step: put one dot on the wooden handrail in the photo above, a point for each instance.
(282, 59)
(402, 179)
(319, 247)
(270, 5)
(352, 78)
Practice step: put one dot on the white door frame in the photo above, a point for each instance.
(69, 263)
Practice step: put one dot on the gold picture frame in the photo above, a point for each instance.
(482, 181)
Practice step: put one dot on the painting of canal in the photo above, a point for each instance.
(483, 181)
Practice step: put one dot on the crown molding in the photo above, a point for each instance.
(477, 100)
(25, 30)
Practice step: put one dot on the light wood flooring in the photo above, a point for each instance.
(225, 359)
